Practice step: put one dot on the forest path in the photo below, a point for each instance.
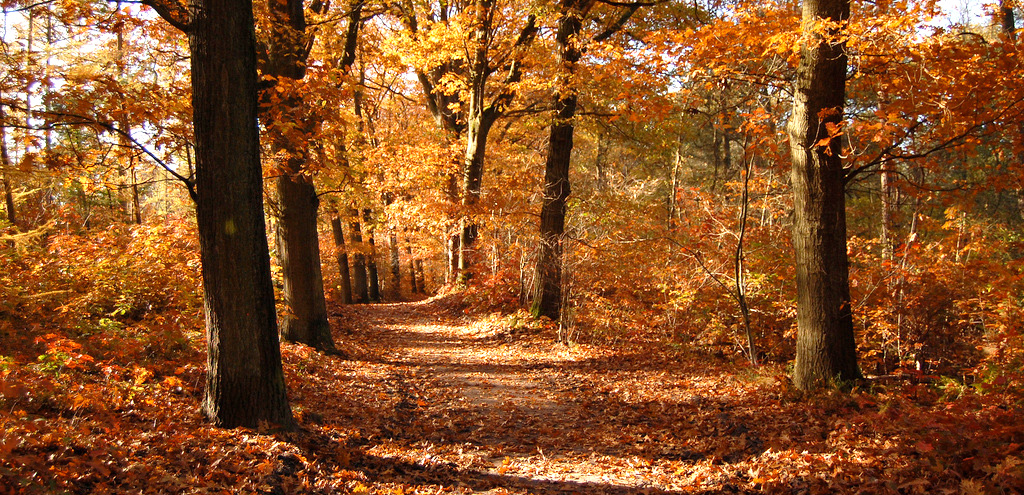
(469, 404)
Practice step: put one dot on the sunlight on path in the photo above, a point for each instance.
(521, 413)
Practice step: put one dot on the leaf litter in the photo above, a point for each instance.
(432, 400)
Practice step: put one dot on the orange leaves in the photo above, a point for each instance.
(833, 132)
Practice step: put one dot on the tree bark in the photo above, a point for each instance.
(373, 279)
(5, 162)
(888, 194)
(1007, 21)
(298, 241)
(480, 117)
(298, 249)
(396, 267)
(342, 255)
(360, 289)
(245, 382)
(413, 288)
(825, 350)
(547, 299)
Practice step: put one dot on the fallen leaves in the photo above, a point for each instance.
(436, 403)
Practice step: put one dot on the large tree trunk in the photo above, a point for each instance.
(360, 289)
(825, 349)
(547, 299)
(298, 249)
(298, 242)
(245, 383)
(342, 255)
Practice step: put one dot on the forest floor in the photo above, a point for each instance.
(430, 399)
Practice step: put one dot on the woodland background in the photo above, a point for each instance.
(677, 231)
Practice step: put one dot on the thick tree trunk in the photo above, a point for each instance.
(478, 124)
(245, 383)
(476, 144)
(342, 255)
(547, 299)
(373, 279)
(298, 249)
(360, 289)
(298, 241)
(825, 349)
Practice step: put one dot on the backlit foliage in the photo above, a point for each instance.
(680, 152)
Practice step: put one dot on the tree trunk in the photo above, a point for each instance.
(396, 267)
(547, 299)
(5, 162)
(359, 286)
(888, 193)
(413, 288)
(245, 383)
(478, 125)
(9, 194)
(825, 349)
(421, 277)
(476, 143)
(298, 241)
(298, 249)
(342, 255)
(1007, 21)
(373, 280)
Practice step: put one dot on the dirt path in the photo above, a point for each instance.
(470, 405)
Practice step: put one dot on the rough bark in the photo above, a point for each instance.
(298, 249)
(342, 256)
(298, 243)
(826, 350)
(547, 300)
(245, 383)
(360, 289)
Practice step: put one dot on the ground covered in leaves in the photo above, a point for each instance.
(432, 400)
